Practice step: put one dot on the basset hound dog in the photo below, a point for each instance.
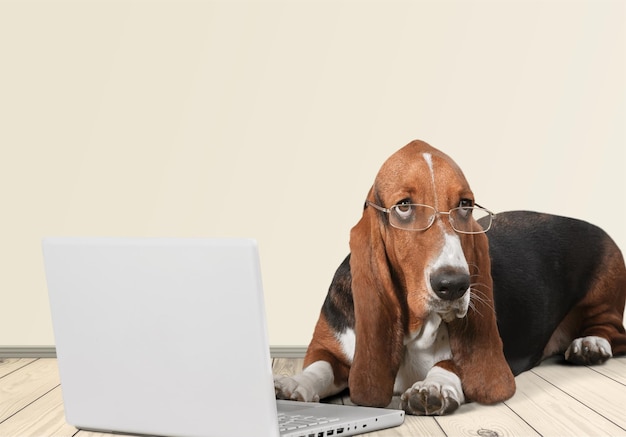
(412, 309)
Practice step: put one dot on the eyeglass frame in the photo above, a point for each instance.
(432, 220)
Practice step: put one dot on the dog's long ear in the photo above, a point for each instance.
(475, 340)
(378, 320)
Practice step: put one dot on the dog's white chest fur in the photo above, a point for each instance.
(422, 351)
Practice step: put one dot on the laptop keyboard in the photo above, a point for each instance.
(292, 422)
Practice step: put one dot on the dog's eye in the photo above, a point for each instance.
(404, 209)
(464, 209)
(466, 203)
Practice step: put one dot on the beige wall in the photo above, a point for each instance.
(271, 119)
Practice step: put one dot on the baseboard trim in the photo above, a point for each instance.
(50, 351)
(28, 352)
(287, 351)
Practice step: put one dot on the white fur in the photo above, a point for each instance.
(450, 255)
(347, 340)
(429, 161)
(312, 384)
(423, 350)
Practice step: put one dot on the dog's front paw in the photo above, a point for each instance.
(295, 388)
(589, 350)
(440, 393)
(428, 400)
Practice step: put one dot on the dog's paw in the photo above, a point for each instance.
(440, 393)
(295, 388)
(589, 350)
(428, 399)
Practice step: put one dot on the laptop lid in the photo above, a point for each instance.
(161, 336)
(168, 337)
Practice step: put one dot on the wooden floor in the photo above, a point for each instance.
(551, 400)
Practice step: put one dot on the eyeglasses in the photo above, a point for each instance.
(416, 217)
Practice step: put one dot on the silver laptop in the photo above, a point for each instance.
(168, 337)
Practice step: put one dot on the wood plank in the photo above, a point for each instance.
(597, 392)
(614, 368)
(412, 426)
(620, 360)
(473, 420)
(45, 416)
(287, 366)
(552, 412)
(24, 386)
(10, 365)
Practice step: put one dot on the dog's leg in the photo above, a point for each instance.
(439, 393)
(602, 331)
(326, 368)
(315, 382)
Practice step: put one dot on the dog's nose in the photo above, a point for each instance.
(449, 285)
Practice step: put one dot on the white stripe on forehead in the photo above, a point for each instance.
(429, 161)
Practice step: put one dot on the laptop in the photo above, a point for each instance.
(167, 337)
